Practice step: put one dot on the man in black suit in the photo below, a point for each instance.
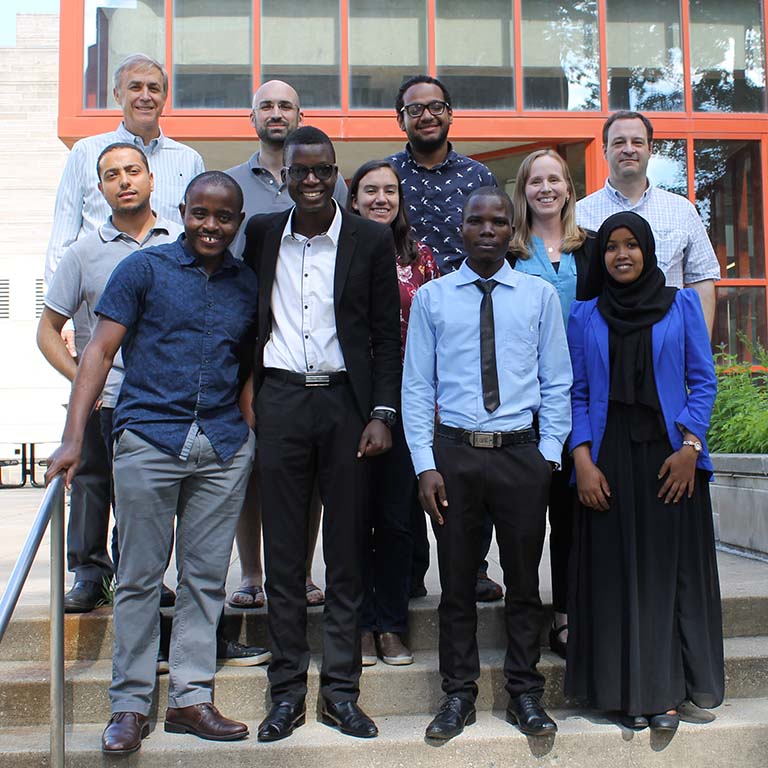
(326, 385)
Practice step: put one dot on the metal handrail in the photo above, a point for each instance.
(51, 510)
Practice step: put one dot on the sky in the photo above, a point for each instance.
(9, 9)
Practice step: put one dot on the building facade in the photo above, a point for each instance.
(523, 74)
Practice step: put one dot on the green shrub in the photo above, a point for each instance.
(740, 417)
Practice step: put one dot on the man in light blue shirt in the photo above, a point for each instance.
(487, 346)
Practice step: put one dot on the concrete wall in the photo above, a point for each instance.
(740, 500)
(31, 160)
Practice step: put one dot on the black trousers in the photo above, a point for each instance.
(89, 509)
(306, 433)
(393, 501)
(511, 484)
(562, 512)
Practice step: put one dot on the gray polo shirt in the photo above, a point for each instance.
(263, 194)
(82, 274)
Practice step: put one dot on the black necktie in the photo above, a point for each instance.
(489, 375)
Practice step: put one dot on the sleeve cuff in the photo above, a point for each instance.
(423, 459)
(551, 449)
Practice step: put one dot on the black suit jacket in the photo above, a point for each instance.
(366, 301)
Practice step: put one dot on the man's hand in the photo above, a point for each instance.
(66, 458)
(680, 468)
(376, 439)
(593, 488)
(432, 494)
(68, 337)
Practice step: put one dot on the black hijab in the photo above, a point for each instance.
(628, 307)
(631, 310)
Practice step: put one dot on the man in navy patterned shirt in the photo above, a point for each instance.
(436, 183)
(436, 179)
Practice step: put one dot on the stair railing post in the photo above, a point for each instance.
(57, 630)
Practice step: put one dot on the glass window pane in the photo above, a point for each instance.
(113, 30)
(739, 311)
(399, 29)
(729, 197)
(668, 166)
(561, 55)
(478, 76)
(212, 54)
(300, 43)
(727, 56)
(645, 59)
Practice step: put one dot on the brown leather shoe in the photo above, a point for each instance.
(205, 721)
(368, 648)
(393, 650)
(124, 733)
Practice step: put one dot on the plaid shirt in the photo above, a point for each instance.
(683, 249)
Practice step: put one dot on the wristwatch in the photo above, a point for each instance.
(695, 444)
(384, 414)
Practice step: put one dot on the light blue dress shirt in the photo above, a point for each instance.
(563, 281)
(442, 361)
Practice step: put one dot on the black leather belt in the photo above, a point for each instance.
(487, 439)
(307, 379)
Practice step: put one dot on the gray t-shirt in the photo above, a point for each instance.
(262, 193)
(82, 275)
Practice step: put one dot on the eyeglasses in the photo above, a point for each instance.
(322, 171)
(416, 109)
(282, 106)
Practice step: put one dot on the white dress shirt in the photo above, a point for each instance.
(303, 337)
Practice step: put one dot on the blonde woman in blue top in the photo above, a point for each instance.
(548, 243)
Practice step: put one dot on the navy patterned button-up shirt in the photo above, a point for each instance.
(435, 197)
(187, 333)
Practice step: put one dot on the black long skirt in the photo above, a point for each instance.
(645, 624)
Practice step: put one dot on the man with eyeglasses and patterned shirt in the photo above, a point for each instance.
(326, 375)
(436, 183)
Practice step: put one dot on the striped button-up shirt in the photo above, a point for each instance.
(80, 207)
(683, 250)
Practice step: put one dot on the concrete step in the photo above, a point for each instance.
(737, 738)
(242, 692)
(89, 636)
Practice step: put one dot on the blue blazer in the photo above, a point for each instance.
(682, 366)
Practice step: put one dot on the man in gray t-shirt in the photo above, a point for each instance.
(126, 183)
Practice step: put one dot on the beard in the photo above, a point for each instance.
(426, 146)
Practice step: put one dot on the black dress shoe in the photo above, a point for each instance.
(348, 718)
(664, 722)
(633, 722)
(283, 718)
(529, 716)
(455, 712)
(83, 597)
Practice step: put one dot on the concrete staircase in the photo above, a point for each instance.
(401, 699)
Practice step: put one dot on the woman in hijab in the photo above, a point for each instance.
(645, 621)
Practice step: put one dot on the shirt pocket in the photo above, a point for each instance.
(520, 349)
(669, 243)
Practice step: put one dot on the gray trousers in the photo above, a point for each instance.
(205, 497)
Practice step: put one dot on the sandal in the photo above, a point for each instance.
(254, 592)
(315, 595)
(555, 643)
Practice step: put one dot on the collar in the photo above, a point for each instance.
(332, 233)
(108, 232)
(448, 158)
(506, 275)
(187, 259)
(621, 198)
(125, 135)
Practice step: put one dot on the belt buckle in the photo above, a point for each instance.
(317, 380)
(485, 439)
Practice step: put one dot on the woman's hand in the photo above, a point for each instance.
(680, 469)
(591, 484)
